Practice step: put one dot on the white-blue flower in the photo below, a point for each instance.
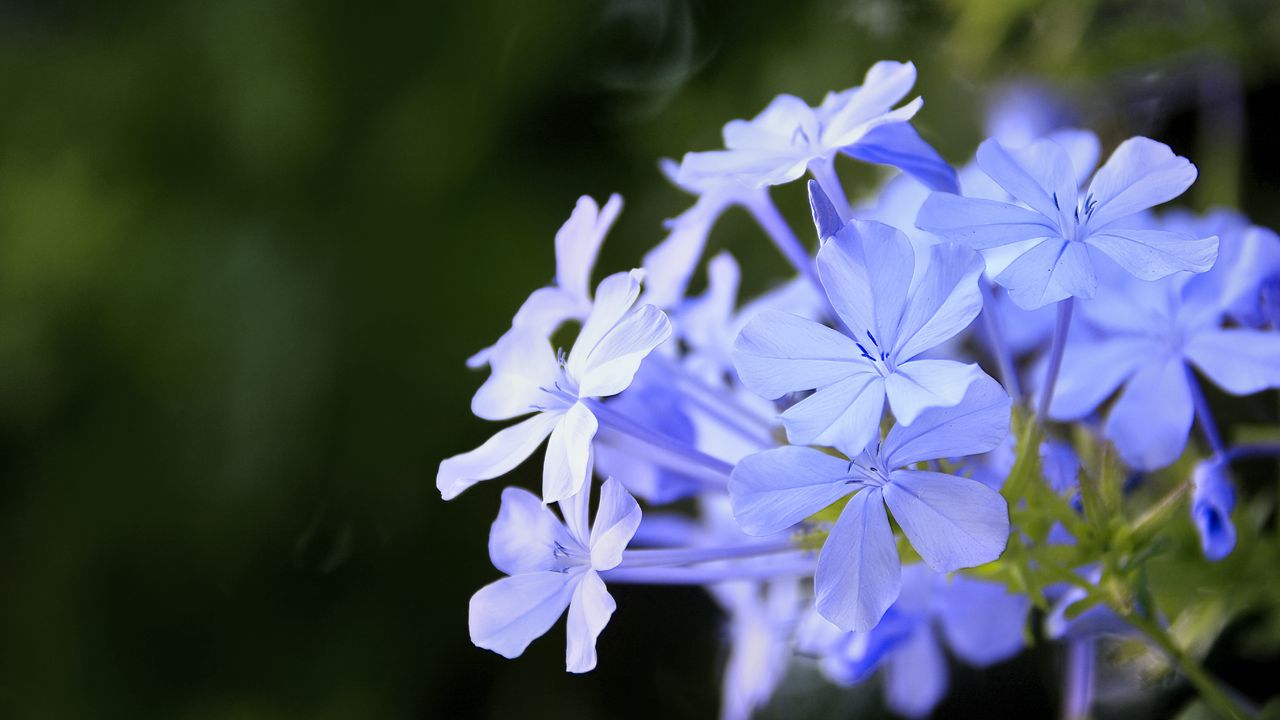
(869, 273)
(528, 377)
(1049, 237)
(552, 566)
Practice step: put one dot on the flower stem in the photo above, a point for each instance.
(1056, 350)
(1204, 416)
(679, 456)
(775, 226)
(1209, 688)
(1077, 697)
(796, 567)
(995, 340)
(689, 556)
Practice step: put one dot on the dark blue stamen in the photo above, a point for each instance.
(865, 354)
(873, 339)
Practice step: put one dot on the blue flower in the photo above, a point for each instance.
(953, 522)
(528, 378)
(1212, 501)
(552, 566)
(786, 139)
(895, 311)
(981, 622)
(1050, 239)
(1145, 337)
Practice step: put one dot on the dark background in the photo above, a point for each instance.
(246, 246)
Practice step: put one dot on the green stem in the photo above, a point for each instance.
(1209, 688)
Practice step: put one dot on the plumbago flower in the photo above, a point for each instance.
(867, 270)
(790, 138)
(1053, 234)
(577, 245)
(953, 522)
(981, 622)
(1146, 337)
(528, 378)
(552, 566)
(1212, 501)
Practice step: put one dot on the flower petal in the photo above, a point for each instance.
(915, 677)
(899, 145)
(1140, 174)
(1151, 419)
(845, 415)
(918, 385)
(522, 363)
(944, 302)
(617, 517)
(1039, 174)
(523, 539)
(568, 463)
(497, 456)
(614, 297)
(578, 243)
(589, 612)
(1092, 370)
(1051, 271)
(1154, 254)
(978, 423)
(983, 622)
(866, 269)
(778, 353)
(885, 84)
(953, 522)
(775, 489)
(1238, 360)
(610, 368)
(982, 224)
(1212, 501)
(858, 574)
(505, 616)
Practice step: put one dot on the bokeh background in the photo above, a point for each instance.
(245, 247)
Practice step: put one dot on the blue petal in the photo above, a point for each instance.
(1039, 175)
(1154, 254)
(1092, 370)
(775, 489)
(916, 386)
(568, 463)
(1051, 271)
(825, 218)
(499, 455)
(1212, 501)
(1238, 360)
(845, 415)
(507, 615)
(524, 537)
(611, 366)
(617, 517)
(899, 145)
(915, 675)
(944, 302)
(953, 522)
(589, 612)
(1151, 419)
(1140, 174)
(858, 574)
(578, 242)
(982, 224)
(866, 270)
(522, 364)
(983, 622)
(778, 353)
(980, 422)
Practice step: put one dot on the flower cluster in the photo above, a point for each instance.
(867, 492)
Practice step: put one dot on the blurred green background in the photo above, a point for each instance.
(245, 248)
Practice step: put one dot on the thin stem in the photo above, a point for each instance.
(694, 460)
(689, 556)
(995, 340)
(1210, 689)
(1251, 450)
(824, 171)
(1055, 357)
(1077, 697)
(719, 402)
(1204, 416)
(776, 227)
(798, 567)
